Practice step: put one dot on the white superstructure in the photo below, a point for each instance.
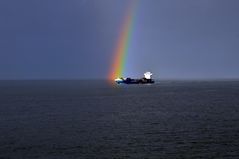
(147, 75)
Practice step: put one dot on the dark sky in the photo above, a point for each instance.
(73, 39)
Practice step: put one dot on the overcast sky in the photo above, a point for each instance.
(73, 39)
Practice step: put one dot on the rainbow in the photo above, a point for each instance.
(122, 47)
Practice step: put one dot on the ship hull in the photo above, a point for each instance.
(134, 81)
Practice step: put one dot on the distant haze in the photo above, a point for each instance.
(75, 39)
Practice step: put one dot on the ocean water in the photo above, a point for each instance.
(95, 120)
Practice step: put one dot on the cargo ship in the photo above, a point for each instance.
(147, 79)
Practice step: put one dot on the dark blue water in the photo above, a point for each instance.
(80, 119)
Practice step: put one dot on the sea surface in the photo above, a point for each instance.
(98, 120)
